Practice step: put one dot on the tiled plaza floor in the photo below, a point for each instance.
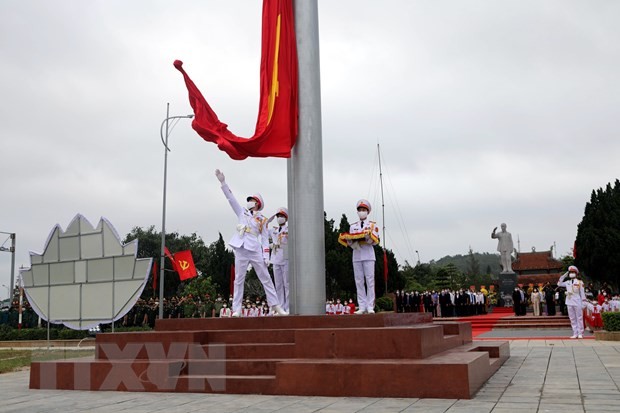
(541, 376)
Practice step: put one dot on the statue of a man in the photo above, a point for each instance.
(505, 247)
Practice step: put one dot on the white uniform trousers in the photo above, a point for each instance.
(280, 276)
(243, 257)
(575, 313)
(365, 271)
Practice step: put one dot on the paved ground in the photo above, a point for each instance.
(541, 376)
(515, 333)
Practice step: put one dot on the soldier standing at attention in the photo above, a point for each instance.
(279, 256)
(251, 246)
(575, 297)
(362, 237)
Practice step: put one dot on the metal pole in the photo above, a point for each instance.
(305, 173)
(382, 213)
(292, 252)
(162, 256)
(13, 236)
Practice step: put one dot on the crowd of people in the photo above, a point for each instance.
(539, 300)
(446, 302)
(549, 299)
(145, 312)
(339, 307)
(10, 315)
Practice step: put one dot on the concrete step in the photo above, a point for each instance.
(236, 384)
(256, 336)
(298, 322)
(253, 350)
(346, 356)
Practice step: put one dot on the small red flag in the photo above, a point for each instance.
(232, 279)
(154, 274)
(385, 266)
(184, 264)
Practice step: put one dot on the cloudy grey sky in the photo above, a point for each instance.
(486, 112)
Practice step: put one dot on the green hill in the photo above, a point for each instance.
(485, 261)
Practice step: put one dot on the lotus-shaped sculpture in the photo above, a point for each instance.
(85, 276)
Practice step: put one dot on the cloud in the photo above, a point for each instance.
(486, 112)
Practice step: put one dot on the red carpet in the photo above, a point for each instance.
(484, 323)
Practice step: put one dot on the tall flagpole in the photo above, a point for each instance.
(305, 174)
(382, 217)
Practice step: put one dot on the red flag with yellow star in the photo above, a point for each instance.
(276, 126)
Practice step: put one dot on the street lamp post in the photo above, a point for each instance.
(12, 251)
(162, 262)
(416, 251)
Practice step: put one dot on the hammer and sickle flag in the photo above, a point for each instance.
(184, 264)
(276, 126)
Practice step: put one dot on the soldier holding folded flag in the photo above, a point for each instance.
(362, 237)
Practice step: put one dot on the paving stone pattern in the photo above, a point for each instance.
(541, 376)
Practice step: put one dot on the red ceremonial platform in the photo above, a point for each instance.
(375, 355)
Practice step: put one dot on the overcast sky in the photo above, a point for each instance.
(486, 112)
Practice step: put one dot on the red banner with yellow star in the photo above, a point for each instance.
(276, 126)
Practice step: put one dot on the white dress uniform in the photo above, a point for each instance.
(279, 259)
(364, 261)
(251, 246)
(575, 297)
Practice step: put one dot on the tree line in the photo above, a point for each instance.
(597, 250)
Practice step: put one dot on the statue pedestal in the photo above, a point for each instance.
(507, 283)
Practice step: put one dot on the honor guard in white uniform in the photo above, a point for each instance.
(575, 298)
(364, 257)
(279, 256)
(251, 246)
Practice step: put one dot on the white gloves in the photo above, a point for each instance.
(220, 176)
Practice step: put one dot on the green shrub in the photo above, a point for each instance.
(7, 333)
(611, 321)
(108, 329)
(68, 334)
(385, 304)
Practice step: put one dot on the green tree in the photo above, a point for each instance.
(424, 275)
(567, 261)
(200, 287)
(598, 236)
(451, 276)
(149, 245)
(473, 265)
(219, 264)
(339, 280)
(396, 280)
(442, 278)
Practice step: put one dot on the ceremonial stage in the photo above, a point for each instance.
(374, 355)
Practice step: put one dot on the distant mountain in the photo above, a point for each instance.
(462, 262)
